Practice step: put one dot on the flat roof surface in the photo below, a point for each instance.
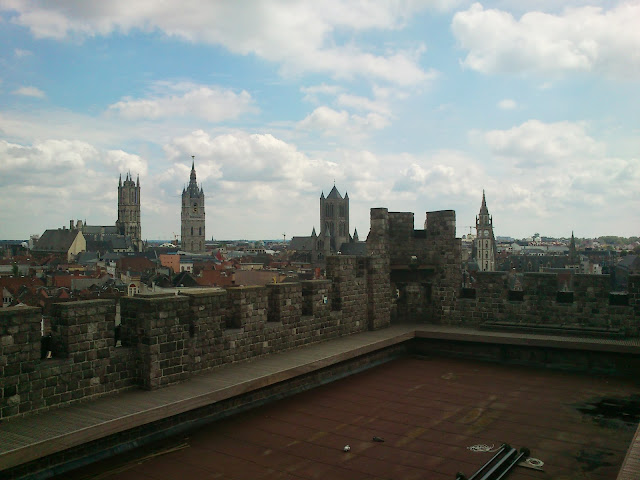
(429, 411)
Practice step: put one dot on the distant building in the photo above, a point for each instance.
(334, 218)
(192, 218)
(485, 244)
(334, 234)
(128, 222)
(61, 240)
(126, 234)
(628, 265)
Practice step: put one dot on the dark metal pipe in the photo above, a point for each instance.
(498, 453)
(498, 465)
(524, 452)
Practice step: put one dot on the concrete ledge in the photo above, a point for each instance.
(435, 332)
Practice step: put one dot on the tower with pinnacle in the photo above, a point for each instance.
(485, 240)
(128, 222)
(192, 218)
(334, 218)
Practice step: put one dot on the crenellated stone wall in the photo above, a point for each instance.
(408, 275)
(85, 361)
(425, 283)
(582, 302)
(166, 338)
(424, 265)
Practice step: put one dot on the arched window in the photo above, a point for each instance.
(191, 230)
(199, 230)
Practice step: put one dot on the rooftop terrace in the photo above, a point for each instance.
(428, 412)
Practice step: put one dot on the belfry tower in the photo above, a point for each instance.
(128, 222)
(485, 241)
(192, 218)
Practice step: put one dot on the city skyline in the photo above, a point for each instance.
(411, 106)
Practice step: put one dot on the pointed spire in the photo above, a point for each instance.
(334, 193)
(120, 181)
(346, 195)
(355, 235)
(192, 178)
(313, 233)
(322, 195)
(138, 180)
(483, 208)
(573, 253)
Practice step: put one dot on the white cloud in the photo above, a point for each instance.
(126, 162)
(46, 156)
(589, 39)
(53, 180)
(444, 173)
(298, 35)
(507, 104)
(241, 157)
(558, 168)
(340, 123)
(211, 103)
(535, 143)
(20, 53)
(30, 92)
(313, 93)
(362, 103)
(325, 118)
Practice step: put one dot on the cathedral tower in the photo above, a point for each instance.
(192, 218)
(129, 210)
(485, 241)
(334, 218)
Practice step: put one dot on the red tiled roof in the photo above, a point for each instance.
(134, 264)
(16, 282)
(212, 278)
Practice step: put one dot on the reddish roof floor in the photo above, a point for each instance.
(428, 411)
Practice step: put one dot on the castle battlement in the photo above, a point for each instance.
(408, 275)
(167, 339)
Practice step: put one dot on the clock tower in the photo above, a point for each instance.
(485, 241)
(192, 218)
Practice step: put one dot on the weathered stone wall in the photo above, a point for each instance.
(540, 305)
(166, 338)
(349, 295)
(162, 344)
(19, 357)
(424, 265)
(425, 283)
(85, 361)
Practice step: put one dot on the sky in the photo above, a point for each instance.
(410, 105)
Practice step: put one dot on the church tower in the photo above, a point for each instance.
(485, 241)
(334, 218)
(129, 210)
(192, 218)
